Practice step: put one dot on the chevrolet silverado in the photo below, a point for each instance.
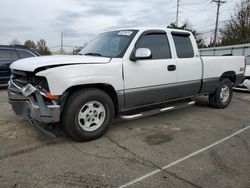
(128, 73)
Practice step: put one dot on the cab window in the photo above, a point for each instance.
(157, 43)
(183, 45)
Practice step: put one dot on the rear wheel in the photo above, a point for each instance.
(221, 98)
(87, 114)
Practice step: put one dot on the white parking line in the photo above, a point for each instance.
(182, 159)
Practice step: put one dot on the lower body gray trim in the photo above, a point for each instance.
(188, 88)
(121, 101)
(160, 93)
(149, 95)
(209, 85)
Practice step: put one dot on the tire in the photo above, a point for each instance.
(220, 99)
(87, 114)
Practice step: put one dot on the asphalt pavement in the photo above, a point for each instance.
(197, 146)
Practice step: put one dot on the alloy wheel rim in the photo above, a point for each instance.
(91, 116)
(225, 93)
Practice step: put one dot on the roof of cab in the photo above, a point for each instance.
(149, 28)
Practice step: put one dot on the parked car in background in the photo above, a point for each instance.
(245, 86)
(9, 54)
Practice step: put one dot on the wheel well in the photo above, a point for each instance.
(229, 74)
(108, 89)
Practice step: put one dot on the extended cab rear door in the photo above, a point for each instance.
(150, 81)
(188, 64)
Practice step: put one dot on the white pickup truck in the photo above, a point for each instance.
(126, 73)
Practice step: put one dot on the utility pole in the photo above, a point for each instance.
(219, 2)
(177, 13)
(62, 43)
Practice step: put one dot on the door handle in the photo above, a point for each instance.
(171, 67)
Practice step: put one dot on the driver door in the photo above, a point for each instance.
(153, 80)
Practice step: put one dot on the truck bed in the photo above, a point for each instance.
(213, 66)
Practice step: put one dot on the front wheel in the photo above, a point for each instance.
(221, 98)
(87, 114)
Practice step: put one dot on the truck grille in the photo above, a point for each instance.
(20, 78)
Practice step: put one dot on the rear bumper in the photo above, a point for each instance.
(32, 107)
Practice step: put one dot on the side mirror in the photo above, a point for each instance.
(141, 53)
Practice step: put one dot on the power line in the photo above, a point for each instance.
(58, 46)
(200, 3)
(199, 11)
(138, 18)
(180, 4)
(208, 26)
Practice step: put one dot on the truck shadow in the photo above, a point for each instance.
(202, 101)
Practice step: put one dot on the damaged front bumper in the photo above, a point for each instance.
(29, 103)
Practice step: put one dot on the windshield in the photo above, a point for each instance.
(110, 44)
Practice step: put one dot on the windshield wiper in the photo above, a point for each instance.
(93, 54)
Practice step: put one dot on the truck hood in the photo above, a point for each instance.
(31, 64)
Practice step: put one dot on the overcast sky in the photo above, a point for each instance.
(81, 20)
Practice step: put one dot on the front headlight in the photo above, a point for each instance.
(39, 82)
(42, 86)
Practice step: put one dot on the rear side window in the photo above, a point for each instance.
(183, 45)
(157, 43)
(25, 54)
(8, 55)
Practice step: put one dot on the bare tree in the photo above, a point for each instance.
(42, 48)
(30, 44)
(15, 42)
(237, 29)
